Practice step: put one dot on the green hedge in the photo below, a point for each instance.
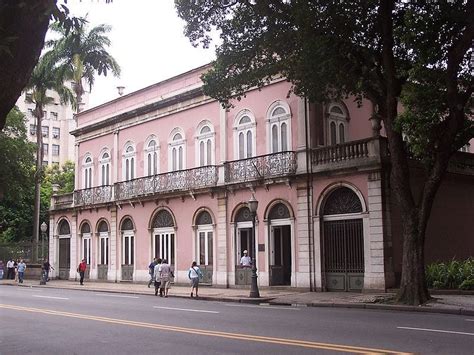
(454, 274)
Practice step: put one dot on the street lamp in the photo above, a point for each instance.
(43, 228)
(252, 206)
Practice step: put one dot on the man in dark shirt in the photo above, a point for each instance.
(46, 268)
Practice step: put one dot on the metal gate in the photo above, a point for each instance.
(344, 255)
(64, 258)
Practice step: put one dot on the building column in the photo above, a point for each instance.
(374, 275)
(222, 250)
(74, 247)
(114, 272)
(304, 245)
(78, 167)
(53, 248)
(115, 158)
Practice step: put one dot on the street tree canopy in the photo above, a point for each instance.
(418, 53)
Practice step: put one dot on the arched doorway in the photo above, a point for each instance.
(205, 245)
(103, 262)
(128, 249)
(244, 240)
(64, 235)
(163, 237)
(343, 241)
(280, 245)
(86, 247)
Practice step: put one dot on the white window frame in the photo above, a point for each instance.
(278, 121)
(206, 229)
(86, 247)
(245, 128)
(104, 236)
(130, 157)
(87, 171)
(151, 151)
(174, 145)
(338, 119)
(105, 163)
(131, 253)
(205, 139)
(165, 238)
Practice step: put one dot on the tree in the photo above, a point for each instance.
(23, 28)
(384, 50)
(81, 54)
(45, 77)
(17, 157)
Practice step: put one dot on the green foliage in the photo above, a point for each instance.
(16, 179)
(451, 275)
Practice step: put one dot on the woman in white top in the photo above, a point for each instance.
(194, 275)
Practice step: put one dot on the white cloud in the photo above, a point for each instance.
(147, 41)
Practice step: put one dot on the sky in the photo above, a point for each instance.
(147, 42)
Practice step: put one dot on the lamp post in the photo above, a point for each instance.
(43, 228)
(252, 206)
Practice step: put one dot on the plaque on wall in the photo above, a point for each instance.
(261, 247)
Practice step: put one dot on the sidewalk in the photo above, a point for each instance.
(445, 303)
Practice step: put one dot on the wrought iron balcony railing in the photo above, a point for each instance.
(93, 195)
(180, 180)
(263, 166)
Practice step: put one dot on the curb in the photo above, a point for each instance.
(273, 301)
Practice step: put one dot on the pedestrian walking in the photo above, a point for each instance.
(194, 275)
(165, 277)
(10, 269)
(81, 269)
(151, 271)
(156, 273)
(2, 269)
(46, 268)
(21, 271)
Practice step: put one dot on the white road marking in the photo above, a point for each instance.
(469, 320)
(436, 330)
(120, 296)
(186, 309)
(264, 307)
(53, 297)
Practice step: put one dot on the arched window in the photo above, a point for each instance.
(278, 124)
(103, 230)
(177, 151)
(151, 158)
(244, 135)
(338, 121)
(128, 245)
(128, 162)
(342, 201)
(205, 143)
(204, 239)
(87, 166)
(64, 228)
(105, 168)
(163, 236)
(86, 242)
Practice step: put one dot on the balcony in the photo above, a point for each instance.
(181, 180)
(62, 201)
(91, 196)
(354, 154)
(261, 167)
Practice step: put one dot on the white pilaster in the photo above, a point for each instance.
(303, 244)
(223, 134)
(74, 247)
(222, 250)
(114, 265)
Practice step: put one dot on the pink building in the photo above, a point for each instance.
(166, 172)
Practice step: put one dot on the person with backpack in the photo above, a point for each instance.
(156, 273)
(151, 271)
(194, 275)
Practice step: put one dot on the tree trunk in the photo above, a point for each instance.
(22, 30)
(413, 288)
(38, 176)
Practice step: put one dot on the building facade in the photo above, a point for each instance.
(167, 172)
(58, 122)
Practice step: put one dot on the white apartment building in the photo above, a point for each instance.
(58, 121)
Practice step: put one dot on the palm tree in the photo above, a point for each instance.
(81, 54)
(46, 76)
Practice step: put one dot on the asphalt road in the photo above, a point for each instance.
(52, 321)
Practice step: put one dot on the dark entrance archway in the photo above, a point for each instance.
(64, 233)
(343, 241)
(128, 249)
(280, 245)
